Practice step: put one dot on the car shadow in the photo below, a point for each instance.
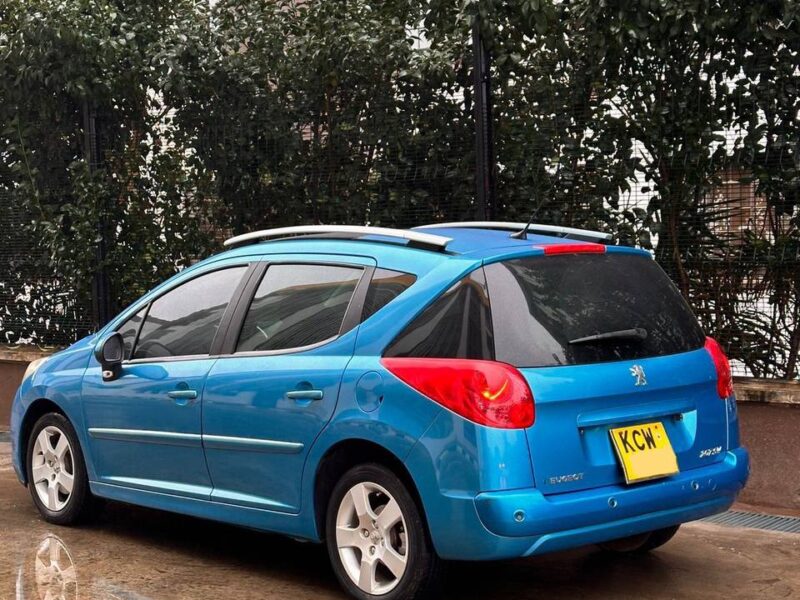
(223, 545)
(585, 572)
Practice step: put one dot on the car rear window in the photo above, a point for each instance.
(542, 305)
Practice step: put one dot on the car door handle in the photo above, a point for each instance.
(183, 394)
(304, 395)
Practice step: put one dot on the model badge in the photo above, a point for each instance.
(638, 372)
(565, 478)
(710, 451)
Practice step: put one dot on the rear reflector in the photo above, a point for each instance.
(723, 367)
(486, 392)
(587, 248)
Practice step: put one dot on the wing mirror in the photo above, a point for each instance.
(109, 353)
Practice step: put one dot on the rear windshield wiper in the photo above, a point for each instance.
(637, 333)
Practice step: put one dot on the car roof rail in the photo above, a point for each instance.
(572, 233)
(414, 239)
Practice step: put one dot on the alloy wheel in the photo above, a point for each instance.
(371, 538)
(53, 468)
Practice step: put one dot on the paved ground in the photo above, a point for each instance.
(133, 554)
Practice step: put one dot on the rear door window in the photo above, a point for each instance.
(457, 325)
(297, 305)
(543, 306)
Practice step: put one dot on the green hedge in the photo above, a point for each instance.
(218, 119)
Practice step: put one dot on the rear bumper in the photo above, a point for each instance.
(525, 522)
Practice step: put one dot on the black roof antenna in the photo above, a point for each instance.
(523, 233)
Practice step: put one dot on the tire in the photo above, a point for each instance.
(390, 558)
(53, 460)
(639, 544)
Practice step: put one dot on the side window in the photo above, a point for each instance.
(457, 325)
(385, 286)
(184, 321)
(296, 306)
(128, 331)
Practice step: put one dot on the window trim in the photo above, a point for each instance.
(224, 320)
(351, 320)
(142, 309)
(353, 316)
(146, 312)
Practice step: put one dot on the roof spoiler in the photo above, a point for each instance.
(572, 233)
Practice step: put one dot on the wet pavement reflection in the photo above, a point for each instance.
(53, 570)
(130, 553)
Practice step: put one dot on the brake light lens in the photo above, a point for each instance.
(724, 377)
(587, 248)
(486, 392)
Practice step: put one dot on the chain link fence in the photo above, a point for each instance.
(240, 117)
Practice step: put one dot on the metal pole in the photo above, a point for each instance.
(101, 288)
(484, 142)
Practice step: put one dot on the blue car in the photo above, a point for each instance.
(467, 391)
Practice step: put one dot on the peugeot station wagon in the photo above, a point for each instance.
(462, 391)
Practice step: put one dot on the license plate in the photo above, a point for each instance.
(644, 451)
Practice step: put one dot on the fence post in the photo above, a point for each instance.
(101, 288)
(484, 142)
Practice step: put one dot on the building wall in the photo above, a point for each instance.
(13, 362)
(10, 376)
(769, 413)
(770, 433)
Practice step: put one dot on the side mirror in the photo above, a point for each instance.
(109, 353)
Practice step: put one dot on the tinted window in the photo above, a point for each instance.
(457, 325)
(128, 332)
(184, 321)
(385, 286)
(541, 304)
(297, 305)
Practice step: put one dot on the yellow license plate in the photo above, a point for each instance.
(644, 451)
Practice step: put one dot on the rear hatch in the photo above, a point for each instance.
(604, 340)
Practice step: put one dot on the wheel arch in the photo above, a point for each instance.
(343, 456)
(36, 409)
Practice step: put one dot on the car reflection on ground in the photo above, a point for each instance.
(54, 574)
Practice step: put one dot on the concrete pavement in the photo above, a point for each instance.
(133, 553)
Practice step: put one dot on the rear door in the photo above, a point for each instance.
(269, 396)
(545, 307)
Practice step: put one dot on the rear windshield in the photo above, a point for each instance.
(544, 308)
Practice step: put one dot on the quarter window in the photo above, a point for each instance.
(385, 286)
(457, 325)
(296, 306)
(184, 321)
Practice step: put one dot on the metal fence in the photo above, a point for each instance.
(481, 140)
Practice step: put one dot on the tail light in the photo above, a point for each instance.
(489, 393)
(724, 377)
